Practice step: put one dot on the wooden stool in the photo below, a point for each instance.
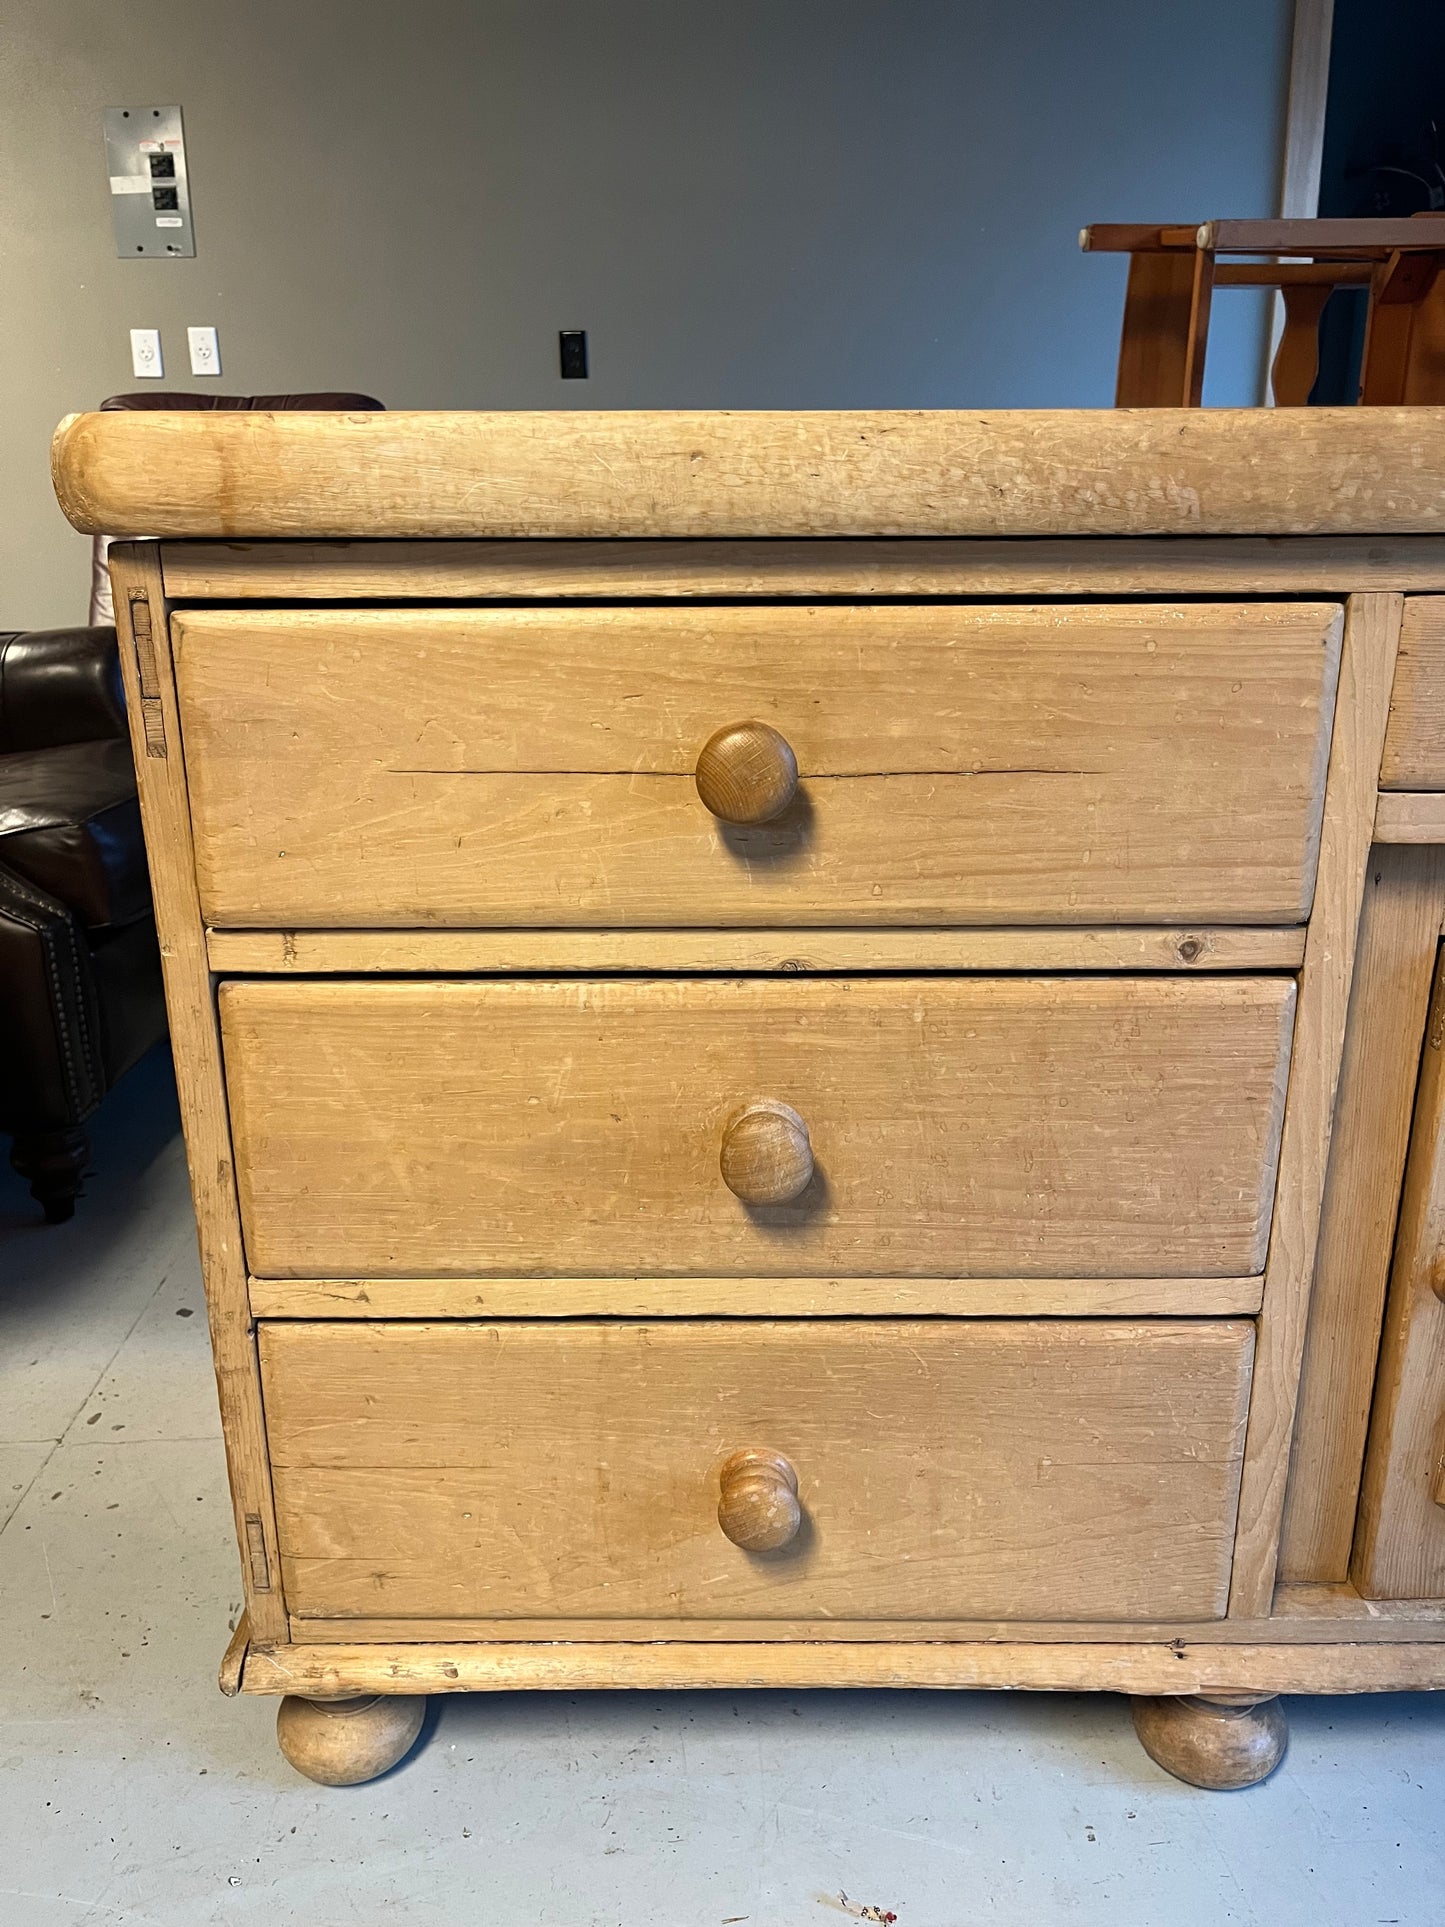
(1173, 272)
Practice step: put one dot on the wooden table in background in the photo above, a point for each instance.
(1173, 272)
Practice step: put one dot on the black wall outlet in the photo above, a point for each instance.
(573, 345)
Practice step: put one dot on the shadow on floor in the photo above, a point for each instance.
(138, 1124)
(863, 1721)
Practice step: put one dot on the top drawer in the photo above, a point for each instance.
(956, 765)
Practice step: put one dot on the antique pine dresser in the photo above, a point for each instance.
(809, 1046)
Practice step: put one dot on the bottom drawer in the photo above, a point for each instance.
(1049, 1469)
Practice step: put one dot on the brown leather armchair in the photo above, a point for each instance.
(339, 401)
(80, 977)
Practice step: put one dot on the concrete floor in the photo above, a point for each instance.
(133, 1795)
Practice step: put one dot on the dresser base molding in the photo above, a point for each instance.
(343, 1672)
(1206, 1713)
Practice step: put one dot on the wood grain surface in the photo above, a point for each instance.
(1317, 1615)
(1050, 1469)
(661, 1665)
(1076, 764)
(1193, 948)
(1410, 816)
(737, 569)
(1400, 1539)
(1415, 1622)
(1165, 471)
(1414, 757)
(754, 1297)
(146, 664)
(1395, 963)
(1372, 630)
(999, 1126)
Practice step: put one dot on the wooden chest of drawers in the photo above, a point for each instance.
(759, 1004)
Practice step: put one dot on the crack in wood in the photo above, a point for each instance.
(686, 776)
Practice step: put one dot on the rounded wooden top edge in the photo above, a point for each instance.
(65, 469)
(731, 474)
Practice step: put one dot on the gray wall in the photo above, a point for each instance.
(747, 203)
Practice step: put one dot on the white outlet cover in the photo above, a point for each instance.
(205, 351)
(145, 354)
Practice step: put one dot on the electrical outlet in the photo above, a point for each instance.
(205, 351)
(573, 345)
(145, 353)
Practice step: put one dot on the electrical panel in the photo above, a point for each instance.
(150, 196)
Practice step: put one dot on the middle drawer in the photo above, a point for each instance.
(954, 1127)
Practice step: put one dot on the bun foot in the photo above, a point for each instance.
(343, 1742)
(1219, 1742)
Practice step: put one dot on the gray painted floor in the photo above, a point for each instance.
(133, 1795)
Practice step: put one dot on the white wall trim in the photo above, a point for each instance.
(1304, 120)
(1304, 136)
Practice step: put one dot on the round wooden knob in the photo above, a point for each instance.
(747, 773)
(767, 1156)
(757, 1504)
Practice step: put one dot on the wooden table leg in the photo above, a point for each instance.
(1165, 330)
(1213, 1740)
(1297, 359)
(1402, 363)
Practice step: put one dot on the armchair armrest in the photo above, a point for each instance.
(59, 686)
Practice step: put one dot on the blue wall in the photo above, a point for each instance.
(747, 203)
